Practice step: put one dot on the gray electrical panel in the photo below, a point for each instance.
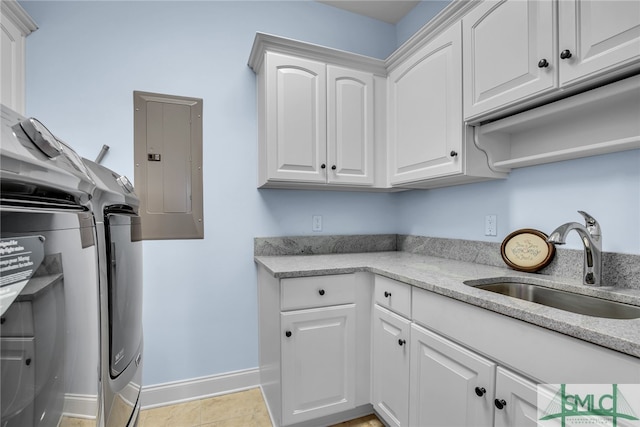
(168, 165)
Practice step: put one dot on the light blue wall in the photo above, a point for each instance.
(417, 18)
(200, 308)
(83, 64)
(540, 197)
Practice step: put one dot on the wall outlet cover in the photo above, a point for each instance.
(491, 225)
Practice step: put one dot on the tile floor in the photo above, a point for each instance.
(241, 409)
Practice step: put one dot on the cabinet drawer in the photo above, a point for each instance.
(394, 295)
(317, 291)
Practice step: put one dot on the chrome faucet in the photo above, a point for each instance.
(591, 237)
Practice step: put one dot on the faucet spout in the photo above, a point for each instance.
(591, 238)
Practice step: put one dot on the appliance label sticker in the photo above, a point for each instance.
(19, 259)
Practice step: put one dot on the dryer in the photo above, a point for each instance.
(115, 208)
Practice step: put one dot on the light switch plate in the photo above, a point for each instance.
(316, 223)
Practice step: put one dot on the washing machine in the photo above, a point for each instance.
(115, 208)
(70, 285)
(49, 287)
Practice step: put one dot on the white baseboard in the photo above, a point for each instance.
(183, 391)
(80, 406)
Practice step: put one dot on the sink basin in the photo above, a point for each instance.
(576, 303)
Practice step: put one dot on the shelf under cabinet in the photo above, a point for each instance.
(600, 121)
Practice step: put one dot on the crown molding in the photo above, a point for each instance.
(443, 20)
(267, 42)
(16, 14)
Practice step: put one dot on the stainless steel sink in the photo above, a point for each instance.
(576, 303)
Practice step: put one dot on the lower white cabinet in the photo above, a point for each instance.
(390, 382)
(454, 386)
(331, 347)
(315, 347)
(318, 362)
(515, 400)
(450, 385)
(422, 379)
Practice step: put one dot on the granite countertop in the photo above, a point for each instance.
(447, 277)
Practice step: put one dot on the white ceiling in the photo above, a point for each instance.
(390, 11)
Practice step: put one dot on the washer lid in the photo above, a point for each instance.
(41, 137)
(33, 159)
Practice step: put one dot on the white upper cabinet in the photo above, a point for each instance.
(15, 26)
(456, 102)
(318, 114)
(508, 49)
(514, 57)
(425, 129)
(602, 36)
(295, 119)
(350, 131)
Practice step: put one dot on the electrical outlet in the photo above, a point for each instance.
(316, 223)
(491, 225)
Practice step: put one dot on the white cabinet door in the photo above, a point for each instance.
(295, 118)
(517, 397)
(505, 44)
(318, 362)
(350, 113)
(15, 26)
(450, 385)
(391, 353)
(425, 111)
(600, 35)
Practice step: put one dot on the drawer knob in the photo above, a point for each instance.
(543, 63)
(321, 291)
(565, 54)
(500, 403)
(480, 391)
(401, 342)
(387, 294)
(288, 334)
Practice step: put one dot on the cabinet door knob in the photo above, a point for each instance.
(387, 294)
(480, 391)
(28, 362)
(402, 342)
(322, 166)
(334, 167)
(543, 63)
(288, 334)
(453, 153)
(500, 403)
(565, 54)
(321, 291)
